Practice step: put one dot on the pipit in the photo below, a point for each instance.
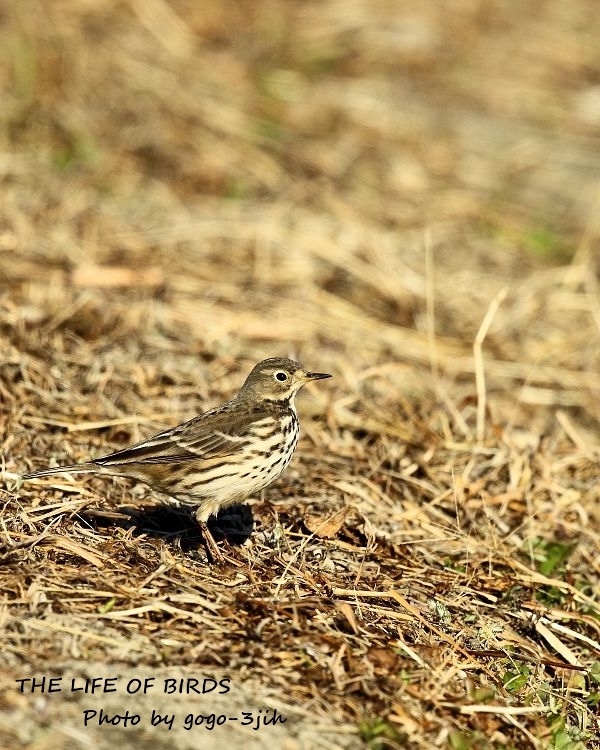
(221, 457)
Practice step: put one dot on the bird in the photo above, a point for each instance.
(218, 458)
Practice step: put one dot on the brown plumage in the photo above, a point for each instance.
(220, 457)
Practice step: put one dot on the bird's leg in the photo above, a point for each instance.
(211, 546)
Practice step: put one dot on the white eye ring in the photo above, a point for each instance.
(281, 376)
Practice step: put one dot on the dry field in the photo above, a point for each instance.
(405, 195)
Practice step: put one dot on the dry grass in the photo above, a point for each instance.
(404, 196)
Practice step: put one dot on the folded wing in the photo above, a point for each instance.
(211, 435)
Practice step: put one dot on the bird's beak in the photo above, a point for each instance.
(317, 375)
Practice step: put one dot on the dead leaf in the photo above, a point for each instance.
(326, 527)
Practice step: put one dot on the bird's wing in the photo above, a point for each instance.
(212, 435)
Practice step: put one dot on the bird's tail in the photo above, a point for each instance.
(86, 468)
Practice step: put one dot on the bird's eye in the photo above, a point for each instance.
(281, 376)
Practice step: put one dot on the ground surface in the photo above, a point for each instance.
(405, 195)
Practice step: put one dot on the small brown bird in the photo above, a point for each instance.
(220, 457)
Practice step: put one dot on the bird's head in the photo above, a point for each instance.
(277, 379)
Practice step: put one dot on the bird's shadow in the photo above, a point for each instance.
(175, 525)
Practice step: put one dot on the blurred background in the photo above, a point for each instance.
(351, 183)
(372, 187)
